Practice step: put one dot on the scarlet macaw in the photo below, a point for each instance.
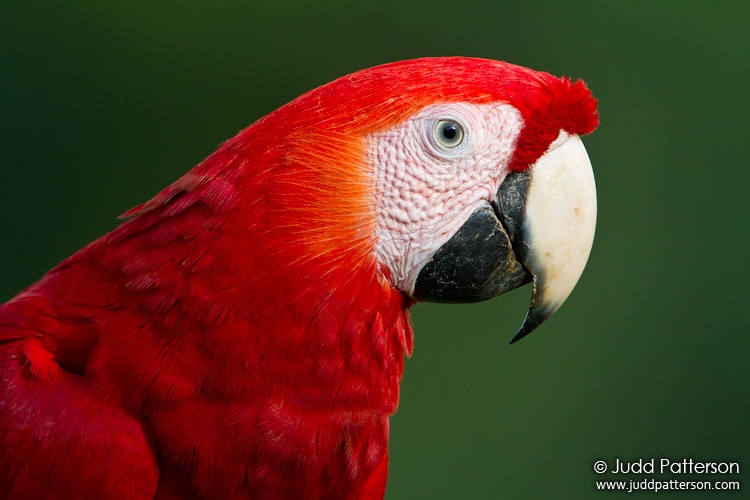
(243, 333)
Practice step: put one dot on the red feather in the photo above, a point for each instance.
(236, 336)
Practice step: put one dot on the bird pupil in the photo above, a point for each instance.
(450, 131)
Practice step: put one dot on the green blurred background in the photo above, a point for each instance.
(102, 105)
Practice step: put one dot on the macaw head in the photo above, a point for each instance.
(455, 179)
(480, 181)
(485, 185)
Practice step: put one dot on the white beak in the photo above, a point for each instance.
(558, 226)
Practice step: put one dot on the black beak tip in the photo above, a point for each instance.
(534, 318)
(521, 334)
(525, 330)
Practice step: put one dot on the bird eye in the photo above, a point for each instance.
(449, 133)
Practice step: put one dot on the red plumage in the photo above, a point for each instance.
(236, 335)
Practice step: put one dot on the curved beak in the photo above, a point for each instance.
(539, 227)
(549, 213)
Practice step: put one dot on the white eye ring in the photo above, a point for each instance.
(449, 133)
